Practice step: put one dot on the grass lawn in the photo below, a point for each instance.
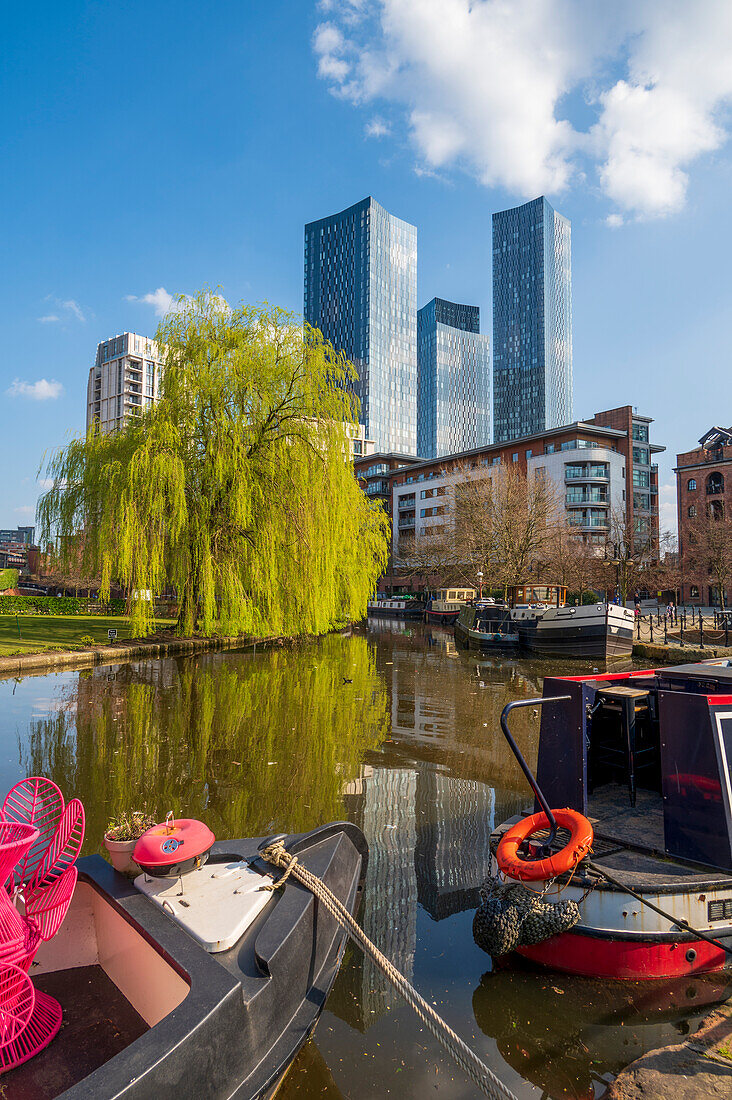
(39, 632)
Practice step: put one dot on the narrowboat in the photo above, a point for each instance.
(632, 877)
(445, 606)
(396, 607)
(486, 624)
(191, 981)
(549, 628)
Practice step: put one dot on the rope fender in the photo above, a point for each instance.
(478, 1072)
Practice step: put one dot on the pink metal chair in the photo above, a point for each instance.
(34, 801)
(64, 848)
(29, 1019)
(46, 906)
(16, 839)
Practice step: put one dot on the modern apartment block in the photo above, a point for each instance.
(641, 473)
(453, 379)
(20, 536)
(532, 320)
(591, 463)
(703, 483)
(124, 380)
(361, 292)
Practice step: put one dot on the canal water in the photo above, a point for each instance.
(395, 728)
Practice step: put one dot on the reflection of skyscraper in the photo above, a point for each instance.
(383, 804)
(455, 818)
(361, 292)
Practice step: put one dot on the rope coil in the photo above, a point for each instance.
(478, 1072)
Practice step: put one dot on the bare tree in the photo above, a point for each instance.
(629, 559)
(709, 551)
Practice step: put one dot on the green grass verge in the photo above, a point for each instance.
(41, 632)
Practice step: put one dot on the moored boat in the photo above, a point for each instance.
(397, 607)
(550, 628)
(447, 603)
(643, 761)
(191, 983)
(486, 625)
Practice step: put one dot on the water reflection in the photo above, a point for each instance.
(397, 729)
(250, 745)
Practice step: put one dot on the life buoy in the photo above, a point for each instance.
(558, 863)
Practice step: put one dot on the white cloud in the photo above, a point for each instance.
(25, 510)
(73, 307)
(42, 390)
(68, 304)
(159, 299)
(482, 85)
(614, 221)
(377, 127)
(667, 514)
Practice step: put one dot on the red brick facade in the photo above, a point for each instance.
(703, 479)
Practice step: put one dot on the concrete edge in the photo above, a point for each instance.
(56, 660)
(666, 654)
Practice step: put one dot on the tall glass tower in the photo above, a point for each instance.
(361, 292)
(532, 320)
(453, 380)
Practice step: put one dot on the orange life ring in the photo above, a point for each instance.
(534, 870)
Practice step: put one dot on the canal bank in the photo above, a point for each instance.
(698, 1068)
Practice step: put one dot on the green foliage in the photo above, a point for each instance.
(8, 579)
(58, 605)
(129, 826)
(86, 639)
(236, 488)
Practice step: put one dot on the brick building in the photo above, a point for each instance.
(703, 481)
(594, 463)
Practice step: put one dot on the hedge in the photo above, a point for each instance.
(8, 579)
(59, 605)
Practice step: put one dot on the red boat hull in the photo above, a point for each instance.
(441, 616)
(597, 957)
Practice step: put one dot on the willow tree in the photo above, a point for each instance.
(236, 488)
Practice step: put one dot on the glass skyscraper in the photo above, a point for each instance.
(361, 292)
(532, 320)
(453, 380)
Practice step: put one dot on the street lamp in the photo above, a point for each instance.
(480, 585)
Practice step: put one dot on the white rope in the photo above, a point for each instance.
(459, 1051)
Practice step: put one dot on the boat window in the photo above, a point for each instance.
(451, 595)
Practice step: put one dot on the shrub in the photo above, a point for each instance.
(129, 826)
(8, 578)
(58, 605)
(86, 639)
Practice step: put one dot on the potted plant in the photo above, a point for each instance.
(121, 836)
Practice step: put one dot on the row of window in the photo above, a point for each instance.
(714, 483)
(715, 509)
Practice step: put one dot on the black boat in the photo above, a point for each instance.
(486, 624)
(549, 628)
(219, 1010)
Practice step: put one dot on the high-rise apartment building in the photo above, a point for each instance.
(453, 379)
(532, 320)
(125, 379)
(361, 292)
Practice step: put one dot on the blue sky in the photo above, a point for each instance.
(173, 145)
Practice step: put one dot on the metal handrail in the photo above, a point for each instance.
(522, 763)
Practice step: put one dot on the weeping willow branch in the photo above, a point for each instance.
(236, 488)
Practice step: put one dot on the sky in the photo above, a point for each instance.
(153, 149)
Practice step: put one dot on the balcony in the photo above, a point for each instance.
(406, 502)
(586, 498)
(586, 475)
(405, 524)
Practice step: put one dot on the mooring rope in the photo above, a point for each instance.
(458, 1050)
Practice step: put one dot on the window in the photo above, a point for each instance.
(692, 511)
(640, 455)
(528, 455)
(641, 479)
(640, 432)
(715, 484)
(716, 509)
(549, 449)
(694, 591)
(514, 456)
(691, 484)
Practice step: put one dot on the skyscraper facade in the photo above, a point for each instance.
(453, 380)
(361, 292)
(532, 320)
(124, 380)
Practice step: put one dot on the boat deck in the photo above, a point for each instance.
(98, 1023)
(629, 844)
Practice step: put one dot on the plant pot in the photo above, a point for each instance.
(120, 854)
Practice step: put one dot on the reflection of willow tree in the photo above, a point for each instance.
(250, 745)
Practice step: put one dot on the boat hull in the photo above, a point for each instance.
(583, 632)
(441, 616)
(479, 640)
(599, 956)
(238, 1017)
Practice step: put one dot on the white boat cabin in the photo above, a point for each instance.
(451, 599)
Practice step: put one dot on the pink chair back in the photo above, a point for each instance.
(34, 801)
